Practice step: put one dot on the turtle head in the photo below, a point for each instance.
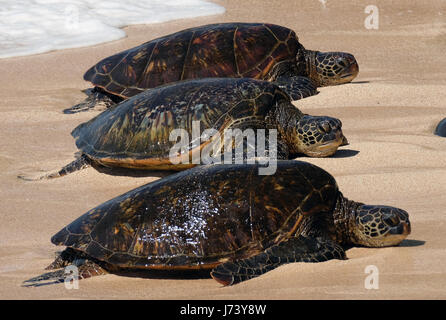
(316, 136)
(331, 68)
(380, 226)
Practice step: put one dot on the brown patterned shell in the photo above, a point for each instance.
(200, 217)
(135, 133)
(219, 50)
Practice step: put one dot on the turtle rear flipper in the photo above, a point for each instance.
(80, 163)
(75, 266)
(85, 269)
(297, 87)
(97, 99)
(301, 249)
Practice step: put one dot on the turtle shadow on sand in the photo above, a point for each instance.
(440, 130)
(404, 243)
(145, 274)
(120, 171)
(345, 153)
(412, 243)
(360, 82)
(135, 173)
(166, 274)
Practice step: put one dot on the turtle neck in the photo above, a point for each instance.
(344, 218)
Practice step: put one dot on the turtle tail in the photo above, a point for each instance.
(97, 99)
(75, 267)
(80, 163)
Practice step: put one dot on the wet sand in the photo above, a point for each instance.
(389, 113)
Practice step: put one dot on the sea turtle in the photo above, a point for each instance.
(224, 218)
(137, 133)
(440, 130)
(238, 50)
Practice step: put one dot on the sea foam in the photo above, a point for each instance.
(37, 26)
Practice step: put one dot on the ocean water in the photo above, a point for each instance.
(37, 26)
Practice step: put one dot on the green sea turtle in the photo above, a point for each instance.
(440, 130)
(224, 218)
(237, 50)
(137, 132)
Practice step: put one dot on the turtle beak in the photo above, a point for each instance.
(351, 66)
(403, 229)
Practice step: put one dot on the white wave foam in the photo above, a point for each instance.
(37, 26)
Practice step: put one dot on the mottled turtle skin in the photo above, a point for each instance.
(136, 133)
(236, 50)
(203, 219)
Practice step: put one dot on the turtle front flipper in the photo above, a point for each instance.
(263, 149)
(296, 87)
(251, 142)
(75, 266)
(97, 99)
(80, 163)
(300, 249)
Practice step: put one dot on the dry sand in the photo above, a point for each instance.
(388, 112)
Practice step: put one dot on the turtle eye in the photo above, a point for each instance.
(391, 220)
(336, 123)
(341, 61)
(324, 127)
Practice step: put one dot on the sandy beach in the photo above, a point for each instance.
(389, 113)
